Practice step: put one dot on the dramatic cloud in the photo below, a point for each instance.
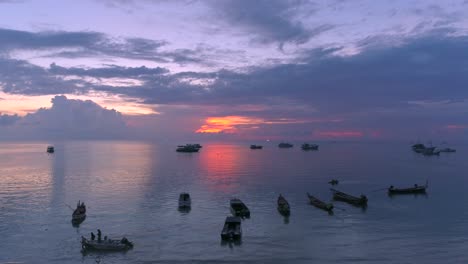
(66, 119)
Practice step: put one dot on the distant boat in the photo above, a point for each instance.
(416, 189)
(79, 214)
(256, 147)
(283, 206)
(307, 146)
(238, 208)
(232, 228)
(50, 149)
(447, 150)
(106, 244)
(341, 196)
(320, 204)
(285, 145)
(418, 148)
(187, 148)
(430, 151)
(333, 182)
(184, 200)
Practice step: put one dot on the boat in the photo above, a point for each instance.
(238, 208)
(418, 148)
(106, 244)
(256, 147)
(447, 150)
(79, 214)
(333, 182)
(197, 145)
(232, 228)
(430, 151)
(307, 146)
(341, 196)
(184, 200)
(416, 189)
(320, 204)
(187, 148)
(50, 149)
(283, 206)
(285, 145)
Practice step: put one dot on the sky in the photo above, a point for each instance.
(237, 70)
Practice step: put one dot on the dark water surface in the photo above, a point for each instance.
(131, 189)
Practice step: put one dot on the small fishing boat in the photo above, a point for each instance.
(307, 146)
(184, 200)
(320, 204)
(416, 189)
(283, 206)
(285, 145)
(232, 228)
(341, 196)
(79, 214)
(333, 182)
(50, 149)
(256, 147)
(187, 148)
(106, 244)
(238, 208)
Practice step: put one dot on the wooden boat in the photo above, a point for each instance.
(184, 200)
(333, 182)
(187, 148)
(79, 214)
(307, 146)
(320, 204)
(283, 206)
(232, 228)
(256, 147)
(106, 245)
(50, 149)
(285, 145)
(341, 196)
(238, 208)
(416, 189)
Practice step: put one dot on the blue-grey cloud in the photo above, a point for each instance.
(270, 21)
(6, 120)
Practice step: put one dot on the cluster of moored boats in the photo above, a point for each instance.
(232, 230)
(430, 151)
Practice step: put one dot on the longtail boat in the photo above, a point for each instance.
(341, 196)
(320, 204)
(415, 189)
(283, 206)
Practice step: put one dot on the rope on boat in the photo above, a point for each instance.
(69, 207)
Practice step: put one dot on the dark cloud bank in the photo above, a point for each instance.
(375, 88)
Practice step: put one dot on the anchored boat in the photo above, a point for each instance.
(79, 214)
(320, 204)
(256, 147)
(416, 189)
(184, 200)
(285, 145)
(238, 208)
(232, 228)
(341, 196)
(50, 149)
(307, 146)
(283, 206)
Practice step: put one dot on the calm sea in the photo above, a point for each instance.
(131, 189)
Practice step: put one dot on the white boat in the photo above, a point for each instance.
(106, 244)
(232, 228)
(184, 200)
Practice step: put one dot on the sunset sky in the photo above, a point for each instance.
(234, 70)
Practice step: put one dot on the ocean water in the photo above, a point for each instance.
(131, 189)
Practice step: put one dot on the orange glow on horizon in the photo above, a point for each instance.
(232, 124)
